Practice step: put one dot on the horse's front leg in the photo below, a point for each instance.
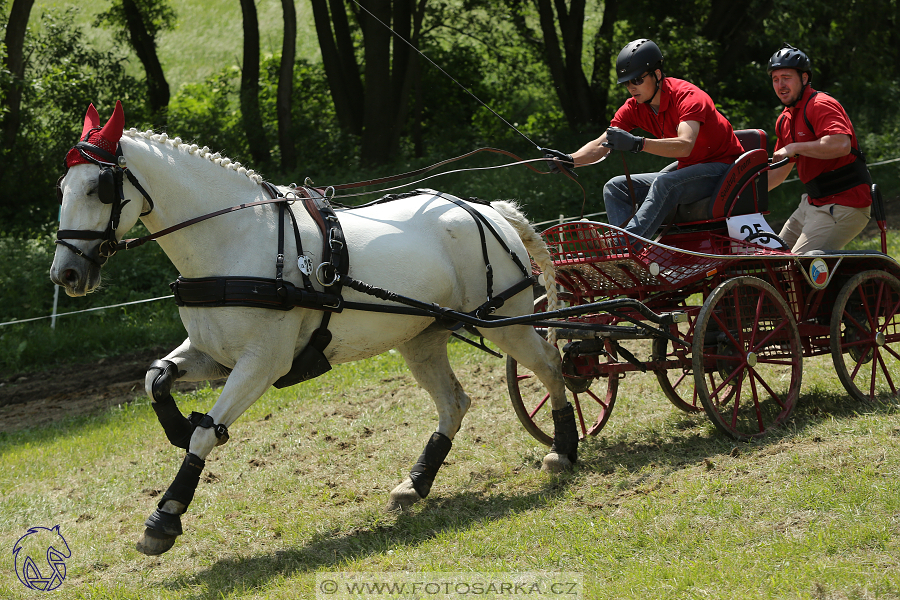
(186, 363)
(249, 379)
(426, 356)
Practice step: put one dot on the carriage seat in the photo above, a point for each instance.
(724, 201)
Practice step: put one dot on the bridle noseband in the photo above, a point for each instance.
(113, 170)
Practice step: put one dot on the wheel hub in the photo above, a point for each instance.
(575, 383)
(880, 339)
(752, 359)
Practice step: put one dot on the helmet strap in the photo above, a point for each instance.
(803, 87)
(657, 88)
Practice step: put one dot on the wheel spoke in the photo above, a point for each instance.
(758, 329)
(759, 418)
(775, 396)
(873, 378)
(762, 343)
(539, 406)
(891, 351)
(580, 415)
(597, 399)
(737, 402)
(734, 373)
(887, 374)
(890, 318)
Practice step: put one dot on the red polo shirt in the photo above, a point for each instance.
(827, 117)
(681, 101)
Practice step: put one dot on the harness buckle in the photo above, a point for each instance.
(107, 249)
(334, 243)
(334, 278)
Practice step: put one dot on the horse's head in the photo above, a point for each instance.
(94, 214)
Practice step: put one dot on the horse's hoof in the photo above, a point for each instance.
(154, 543)
(556, 463)
(403, 496)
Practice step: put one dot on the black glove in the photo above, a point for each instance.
(552, 156)
(619, 139)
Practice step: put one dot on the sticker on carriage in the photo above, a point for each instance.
(818, 273)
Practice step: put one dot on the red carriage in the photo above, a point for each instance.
(749, 314)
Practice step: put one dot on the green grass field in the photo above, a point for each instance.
(660, 506)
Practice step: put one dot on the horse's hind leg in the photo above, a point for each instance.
(426, 356)
(533, 352)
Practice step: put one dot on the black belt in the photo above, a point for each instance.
(840, 180)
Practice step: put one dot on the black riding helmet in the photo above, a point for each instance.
(637, 58)
(789, 57)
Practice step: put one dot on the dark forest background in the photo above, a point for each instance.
(368, 105)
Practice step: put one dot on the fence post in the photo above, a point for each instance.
(55, 302)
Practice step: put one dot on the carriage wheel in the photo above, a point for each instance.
(747, 358)
(865, 335)
(594, 398)
(678, 383)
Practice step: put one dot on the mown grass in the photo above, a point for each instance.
(661, 505)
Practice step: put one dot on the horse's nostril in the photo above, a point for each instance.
(70, 277)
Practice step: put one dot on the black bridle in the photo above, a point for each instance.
(113, 170)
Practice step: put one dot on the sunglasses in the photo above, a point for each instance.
(638, 80)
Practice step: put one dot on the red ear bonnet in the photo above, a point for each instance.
(106, 138)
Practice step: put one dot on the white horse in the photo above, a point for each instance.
(421, 247)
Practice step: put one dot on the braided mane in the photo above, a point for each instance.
(195, 150)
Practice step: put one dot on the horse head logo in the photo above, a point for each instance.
(40, 558)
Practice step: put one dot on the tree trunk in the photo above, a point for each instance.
(378, 116)
(250, 114)
(729, 24)
(583, 102)
(145, 47)
(286, 87)
(339, 60)
(604, 54)
(15, 63)
(376, 105)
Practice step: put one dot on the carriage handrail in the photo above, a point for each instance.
(768, 254)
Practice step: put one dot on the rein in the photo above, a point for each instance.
(391, 178)
(109, 246)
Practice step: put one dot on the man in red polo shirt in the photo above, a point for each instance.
(815, 132)
(685, 124)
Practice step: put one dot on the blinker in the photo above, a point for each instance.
(106, 187)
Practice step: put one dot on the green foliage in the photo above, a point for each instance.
(64, 75)
(26, 292)
(158, 16)
(208, 114)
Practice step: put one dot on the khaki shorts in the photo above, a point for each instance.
(828, 227)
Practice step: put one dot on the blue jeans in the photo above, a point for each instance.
(657, 194)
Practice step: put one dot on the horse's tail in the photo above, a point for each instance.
(536, 247)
